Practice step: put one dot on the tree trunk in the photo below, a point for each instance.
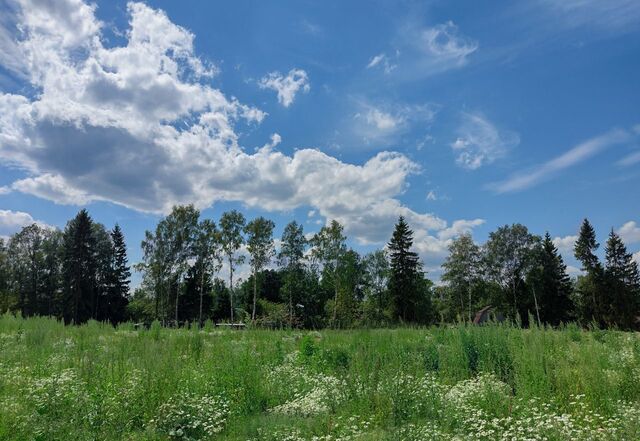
(335, 303)
(535, 300)
(290, 304)
(157, 291)
(177, 297)
(255, 293)
(469, 305)
(231, 286)
(201, 295)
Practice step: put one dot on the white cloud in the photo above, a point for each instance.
(12, 221)
(382, 61)
(574, 271)
(630, 159)
(376, 60)
(565, 244)
(136, 125)
(275, 140)
(54, 188)
(382, 125)
(610, 15)
(629, 232)
(480, 143)
(5, 190)
(577, 154)
(286, 86)
(636, 257)
(421, 51)
(431, 196)
(445, 43)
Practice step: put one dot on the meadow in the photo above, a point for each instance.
(496, 382)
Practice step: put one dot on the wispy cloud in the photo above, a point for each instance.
(609, 15)
(382, 124)
(480, 142)
(629, 160)
(445, 42)
(420, 51)
(529, 178)
(287, 86)
(382, 61)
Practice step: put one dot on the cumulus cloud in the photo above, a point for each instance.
(286, 86)
(629, 232)
(138, 126)
(636, 257)
(529, 178)
(565, 244)
(574, 271)
(12, 221)
(480, 142)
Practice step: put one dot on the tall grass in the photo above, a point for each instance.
(97, 382)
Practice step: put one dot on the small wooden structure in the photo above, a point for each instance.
(487, 314)
(232, 325)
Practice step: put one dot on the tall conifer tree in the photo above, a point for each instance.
(622, 284)
(79, 268)
(405, 266)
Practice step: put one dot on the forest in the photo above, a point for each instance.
(190, 270)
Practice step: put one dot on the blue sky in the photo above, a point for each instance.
(459, 115)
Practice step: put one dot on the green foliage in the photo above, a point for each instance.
(461, 382)
(405, 280)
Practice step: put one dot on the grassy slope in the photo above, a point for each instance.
(96, 382)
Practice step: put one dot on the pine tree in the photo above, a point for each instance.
(405, 265)
(622, 283)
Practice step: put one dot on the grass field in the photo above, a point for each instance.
(494, 382)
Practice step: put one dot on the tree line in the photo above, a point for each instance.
(77, 274)
(190, 274)
(524, 277)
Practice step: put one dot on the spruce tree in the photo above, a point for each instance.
(121, 273)
(622, 283)
(554, 285)
(585, 248)
(404, 288)
(590, 285)
(79, 268)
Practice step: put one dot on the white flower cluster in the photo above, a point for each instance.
(344, 429)
(311, 393)
(190, 417)
(412, 395)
